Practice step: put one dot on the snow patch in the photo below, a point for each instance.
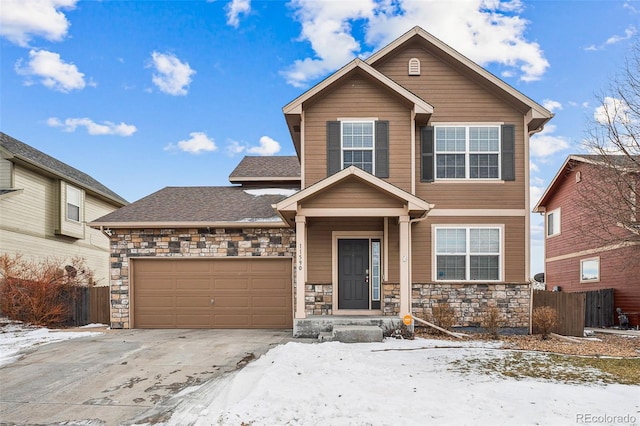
(271, 191)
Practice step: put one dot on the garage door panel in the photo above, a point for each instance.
(270, 283)
(154, 282)
(193, 302)
(231, 302)
(192, 266)
(269, 302)
(247, 293)
(187, 283)
(232, 266)
(154, 302)
(232, 283)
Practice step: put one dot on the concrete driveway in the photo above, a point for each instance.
(120, 375)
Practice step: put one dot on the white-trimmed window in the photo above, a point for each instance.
(358, 144)
(590, 270)
(467, 152)
(553, 222)
(468, 253)
(74, 203)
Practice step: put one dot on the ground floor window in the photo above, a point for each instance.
(468, 253)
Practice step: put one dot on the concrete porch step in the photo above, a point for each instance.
(357, 333)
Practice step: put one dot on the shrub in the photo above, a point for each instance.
(397, 330)
(443, 316)
(492, 321)
(544, 320)
(40, 293)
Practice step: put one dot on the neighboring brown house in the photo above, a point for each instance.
(586, 248)
(414, 186)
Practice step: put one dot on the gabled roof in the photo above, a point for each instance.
(199, 206)
(619, 162)
(293, 109)
(14, 150)
(538, 116)
(269, 168)
(288, 207)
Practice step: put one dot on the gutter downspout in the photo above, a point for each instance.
(527, 228)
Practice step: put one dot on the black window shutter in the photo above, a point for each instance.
(426, 154)
(334, 151)
(508, 152)
(382, 149)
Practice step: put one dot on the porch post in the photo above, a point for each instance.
(300, 264)
(405, 279)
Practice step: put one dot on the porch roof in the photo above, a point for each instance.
(291, 206)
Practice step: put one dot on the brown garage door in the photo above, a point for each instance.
(212, 293)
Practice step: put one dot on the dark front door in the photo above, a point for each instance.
(353, 274)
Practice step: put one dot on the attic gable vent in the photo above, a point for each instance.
(414, 66)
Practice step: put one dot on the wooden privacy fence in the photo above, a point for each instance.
(599, 308)
(90, 305)
(570, 308)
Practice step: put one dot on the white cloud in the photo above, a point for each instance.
(268, 146)
(611, 111)
(551, 105)
(93, 128)
(545, 143)
(629, 32)
(52, 71)
(20, 20)
(236, 8)
(483, 30)
(535, 193)
(172, 76)
(198, 143)
(533, 166)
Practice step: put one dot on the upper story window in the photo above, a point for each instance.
(474, 152)
(553, 222)
(468, 253)
(363, 143)
(469, 152)
(358, 144)
(73, 203)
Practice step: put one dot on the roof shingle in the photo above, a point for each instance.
(277, 167)
(31, 155)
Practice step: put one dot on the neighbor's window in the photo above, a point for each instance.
(467, 152)
(357, 144)
(590, 270)
(553, 222)
(468, 254)
(73, 203)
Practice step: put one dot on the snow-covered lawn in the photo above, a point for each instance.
(16, 337)
(396, 382)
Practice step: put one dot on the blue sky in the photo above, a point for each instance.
(147, 94)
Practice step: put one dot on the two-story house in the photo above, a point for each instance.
(587, 243)
(45, 205)
(414, 188)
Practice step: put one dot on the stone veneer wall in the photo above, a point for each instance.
(318, 299)
(175, 243)
(471, 301)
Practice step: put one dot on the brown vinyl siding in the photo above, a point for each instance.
(351, 193)
(320, 241)
(458, 99)
(513, 250)
(358, 97)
